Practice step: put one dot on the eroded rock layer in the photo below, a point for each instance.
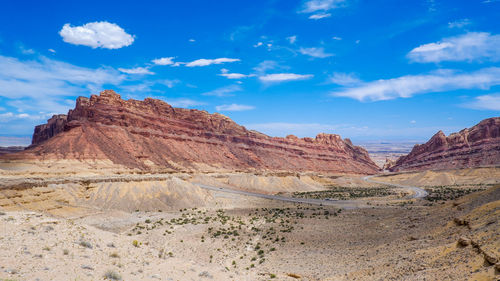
(151, 134)
(472, 147)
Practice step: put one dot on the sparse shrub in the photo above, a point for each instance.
(135, 243)
(85, 244)
(65, 252)
(114, 255)
(272, 275)
(112, 275)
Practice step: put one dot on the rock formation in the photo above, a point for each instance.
(54, 126)
(152, 134)
(472, 147)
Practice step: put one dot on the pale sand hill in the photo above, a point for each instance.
(451, 177)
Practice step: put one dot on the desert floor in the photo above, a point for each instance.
(87, 226)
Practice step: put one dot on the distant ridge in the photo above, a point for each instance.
(472, 147)
(152, 134)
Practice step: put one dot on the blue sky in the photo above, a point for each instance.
(367, 70)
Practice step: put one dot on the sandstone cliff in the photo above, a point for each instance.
(152, 134)
(472, 147)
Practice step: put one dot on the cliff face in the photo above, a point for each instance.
(151, 133)
(472, 147)
(54, 126)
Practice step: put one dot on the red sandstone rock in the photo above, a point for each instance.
(54, 126)
(137, 133)
(472, 147)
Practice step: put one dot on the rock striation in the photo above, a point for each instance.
(472, 147)
(152, 134)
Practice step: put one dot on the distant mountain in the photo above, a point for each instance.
(472, 147)
(10, 149)
(151, 134)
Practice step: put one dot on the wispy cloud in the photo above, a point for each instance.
(485, 102)
(183, 102)
(24, 50)
(97, 35)
(224, 91)
(472, 46)
(266, 65)
(459, 23)
(228, 75)
(320, 16)
(315, 52)
(206, 62)
(234, 107)
(164, 61)
(44, 77)
(147, 86)
(137, 70)
(344, 79)
(410, 85)
(313, 6)
(283, 77)
(292, 39)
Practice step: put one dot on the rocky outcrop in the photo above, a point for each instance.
(54, 126)
(152, 134)
(472, 147)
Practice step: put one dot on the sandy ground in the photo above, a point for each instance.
(143, 227)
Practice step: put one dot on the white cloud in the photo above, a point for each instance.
(344, 79)
(313, 6)
(471, 46)
(192, 40)
(485, 102)
(205, 62)
(234, 107)
(459, 23)
(410, 85)
(164, 61)
(137, 70)
(315, 52)
(337, 38)
(413, 122)
(283, 77)
(292, 39)
(258, 44)
(96, 35)
(234, 75)
(320, 16)
(183, 102)
(52, 51)
(44, 77)
(224, 91)
(225, 73)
